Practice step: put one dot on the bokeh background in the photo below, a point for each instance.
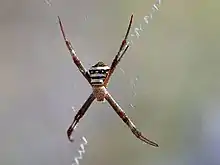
(171, 76)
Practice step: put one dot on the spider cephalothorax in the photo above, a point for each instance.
(98, 77)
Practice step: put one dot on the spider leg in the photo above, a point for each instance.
(73, 54)
(123, 48)
(79, 115)
(127, 121)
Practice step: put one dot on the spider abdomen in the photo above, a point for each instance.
(98, 74)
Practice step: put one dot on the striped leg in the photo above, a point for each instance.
(127, 121)
(73, 54)
(123, 48)
(79, 115)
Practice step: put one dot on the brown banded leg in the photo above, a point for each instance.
(79, 115)
(123, 48)
(127, 121)
(73, 54)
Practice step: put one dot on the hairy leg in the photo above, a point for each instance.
(79, 115)
(127, 121)
(123, 48)
(73, 54)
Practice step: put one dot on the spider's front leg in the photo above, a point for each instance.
(123, 48)
(79, 115)
(127, 121)
(73, 54)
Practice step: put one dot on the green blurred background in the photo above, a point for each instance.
(173, 69)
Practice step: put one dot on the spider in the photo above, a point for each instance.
(98, 77)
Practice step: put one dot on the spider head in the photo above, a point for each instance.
(98, 73)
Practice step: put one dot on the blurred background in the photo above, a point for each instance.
(169, 83)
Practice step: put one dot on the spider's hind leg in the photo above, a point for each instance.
(123, 48)
(75, 59)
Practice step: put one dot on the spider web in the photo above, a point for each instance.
(135, 35)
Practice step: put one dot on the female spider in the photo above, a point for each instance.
(98, 77)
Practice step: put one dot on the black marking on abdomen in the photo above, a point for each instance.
(98, 75)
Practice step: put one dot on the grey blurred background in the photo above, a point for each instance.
(175, 61)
